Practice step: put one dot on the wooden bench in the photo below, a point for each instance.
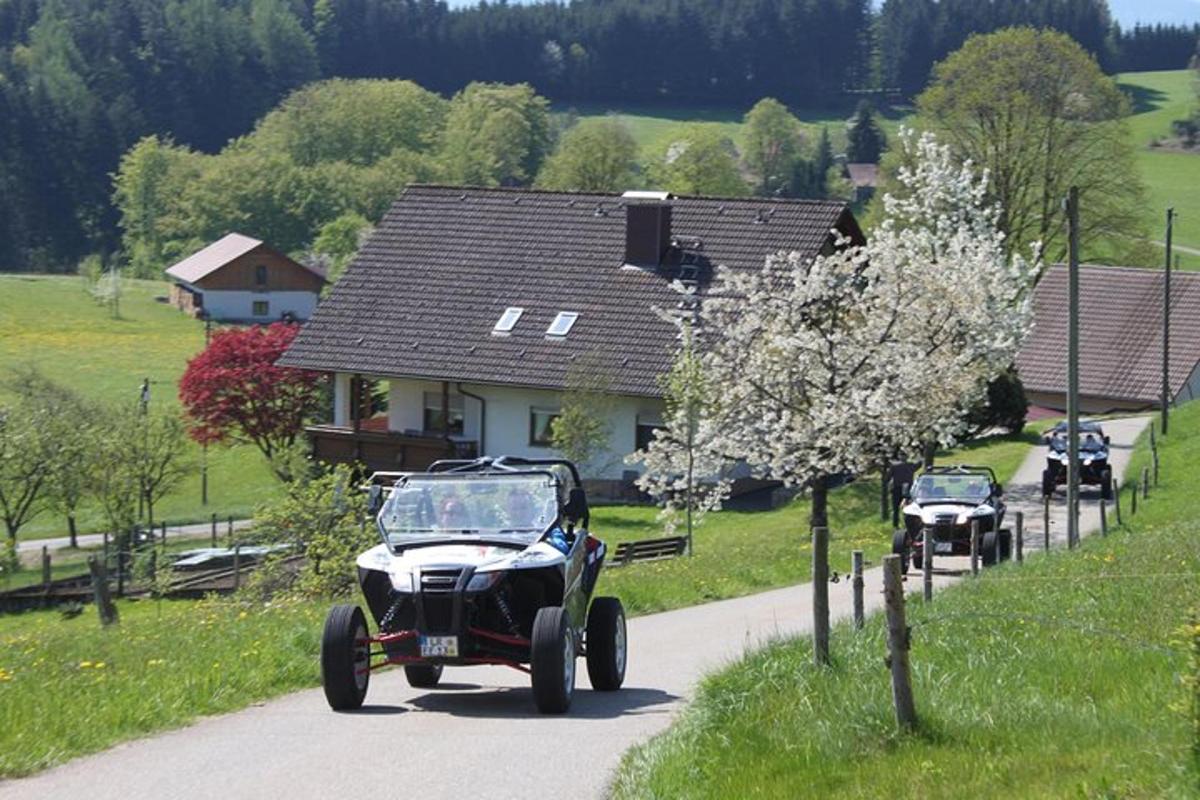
(649, 550)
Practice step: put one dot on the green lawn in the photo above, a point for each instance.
(1071, 676)
(50, 322)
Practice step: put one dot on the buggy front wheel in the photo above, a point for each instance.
(552, 660)
(606, 644)
(900, 548)
(423, 676)
(345, 658)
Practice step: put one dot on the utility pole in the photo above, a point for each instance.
(1073, 370)
(1166, 315)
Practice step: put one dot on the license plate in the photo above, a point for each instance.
(439, 647)
(943, 547)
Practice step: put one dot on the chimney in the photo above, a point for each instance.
(647, 227)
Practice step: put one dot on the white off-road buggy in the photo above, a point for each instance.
(951, 502)
(482, 562)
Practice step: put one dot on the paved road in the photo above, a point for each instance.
(477, 736)
(197, 530)
(1180, 248)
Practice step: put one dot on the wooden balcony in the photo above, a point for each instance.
(384, 450)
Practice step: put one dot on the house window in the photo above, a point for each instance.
(261, 308)
(260, 276)
(433, 412)
(562, 323)
(508, 320)
(540, 422)
(645, 432)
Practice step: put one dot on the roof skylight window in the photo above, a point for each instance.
(562, 323)
(508, 320)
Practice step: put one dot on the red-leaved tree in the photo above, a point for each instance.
(233, 393)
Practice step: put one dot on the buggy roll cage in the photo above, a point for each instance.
(959, 469)
(503, 464)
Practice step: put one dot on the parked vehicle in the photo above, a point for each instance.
(487, 561)
(1094, 469)
(949, 501)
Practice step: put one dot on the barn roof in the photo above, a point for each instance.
(210, 259)
(1120, 333)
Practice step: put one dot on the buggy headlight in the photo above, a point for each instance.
(401, 581)
(482, 581)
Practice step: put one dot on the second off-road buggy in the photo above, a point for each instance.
(1094, 469)
(950, 502)
(482, 562)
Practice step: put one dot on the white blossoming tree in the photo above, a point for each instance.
(826, 363)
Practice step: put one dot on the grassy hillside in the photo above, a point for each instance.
(1172, 178)
(1070, 676)
(53, 324)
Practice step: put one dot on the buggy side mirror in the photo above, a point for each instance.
(374, 499)
(998, 489)
(1107, 441)
(576, 508)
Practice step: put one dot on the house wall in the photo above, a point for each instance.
(1191, 390)
(506, 431)
(1088, 404)
(283, 274)
(238, 305)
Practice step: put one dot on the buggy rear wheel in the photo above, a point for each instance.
(552, 662)
(900, 548)
(423, 676)
(606, 644)
(989, 549)
(1106, 485)
(345, 658)
(1049, 484)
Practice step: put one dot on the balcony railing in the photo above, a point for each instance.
(384, 450)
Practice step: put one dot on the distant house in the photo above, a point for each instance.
(865, 179)
(240, 279)
(468, 308)
(1120, 339)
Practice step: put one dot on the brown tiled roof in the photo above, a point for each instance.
(210, 259)
(425, 291)
(1120, 339)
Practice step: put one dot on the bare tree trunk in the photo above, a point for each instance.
(928, 453)
(71, 530)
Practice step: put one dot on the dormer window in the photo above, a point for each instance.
(562, 323)
(508, 320)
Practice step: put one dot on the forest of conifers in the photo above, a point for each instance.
(83, 80)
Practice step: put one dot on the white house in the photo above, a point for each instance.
(468, 311)
(240, 279)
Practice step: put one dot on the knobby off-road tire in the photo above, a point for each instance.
(606, 644)
(1106, 485)
(423, 676)
(987, 546)
(552, 662)
(1006, 547)
(1048, 483)
(900, 548)
(345, 662)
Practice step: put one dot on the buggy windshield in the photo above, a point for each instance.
(520, 507)
(947, 488)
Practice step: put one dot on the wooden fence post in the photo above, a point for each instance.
(1019, 544)
(1046, 523)
(46, 567)
(898, 644)
(884, 494)
(1133, 493)
(856, 583)
(820, 581)
(237, 567)
(229, 530)
(164, 533)
(975, 547)
(1145, 483)
(927, 563)
(1103, 517)
(104, 603)
(1116, 493)
(152, 568)
(214, 530)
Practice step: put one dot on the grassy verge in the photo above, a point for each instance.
(1065, 677)
(52, 323)
(168, 663)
